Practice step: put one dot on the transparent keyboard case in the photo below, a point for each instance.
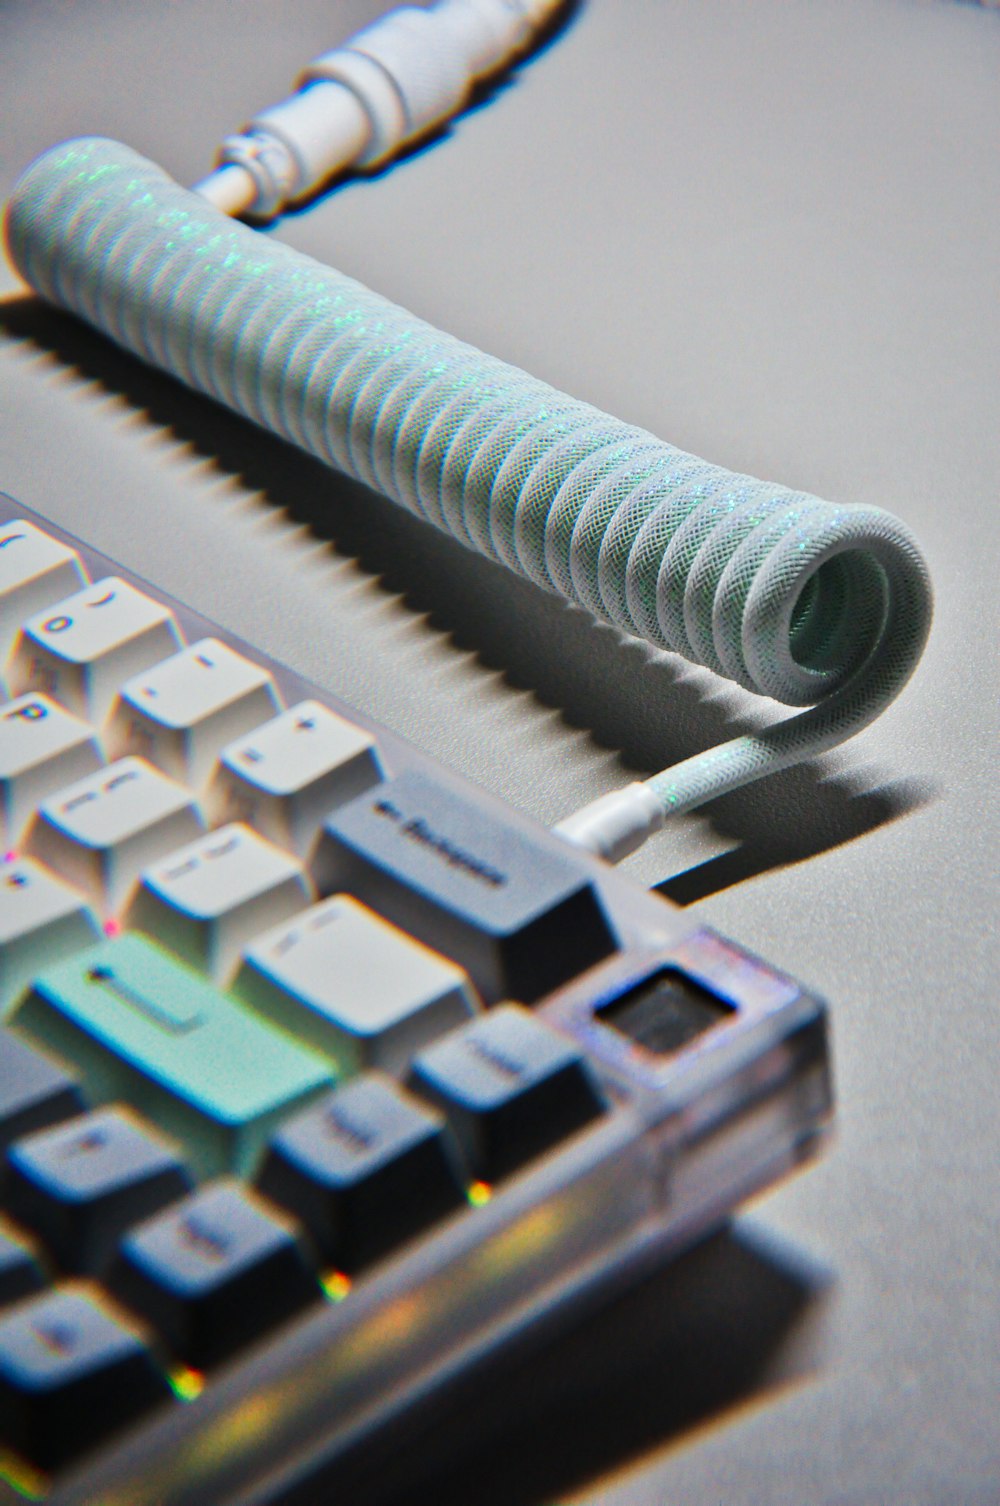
(714, 1075)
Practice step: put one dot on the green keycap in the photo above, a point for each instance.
(142, 1027)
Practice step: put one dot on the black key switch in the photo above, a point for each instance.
(364, 1169)
(213, 1272)
(80, 1185)
(510, 1086)
(70, 1374)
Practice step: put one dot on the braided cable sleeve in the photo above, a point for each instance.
(794, 598)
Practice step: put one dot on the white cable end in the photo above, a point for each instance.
(616, 824)
(359, 105)
(230, 188)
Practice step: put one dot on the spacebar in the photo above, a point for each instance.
(520, 917)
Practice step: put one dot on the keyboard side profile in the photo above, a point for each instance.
(323, 1073)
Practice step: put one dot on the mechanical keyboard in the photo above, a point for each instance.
(322, 1073)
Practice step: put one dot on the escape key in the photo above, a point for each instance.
(520, 918)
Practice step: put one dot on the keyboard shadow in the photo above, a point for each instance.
(650, 708)
(728, 1325)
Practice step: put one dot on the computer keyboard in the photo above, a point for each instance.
(323, 1073)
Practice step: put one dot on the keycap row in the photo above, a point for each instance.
(139, 1028)
(342, 1182)
(283, 776)
(100, 649)
(103, 673)
(490, 1096)
(515, 915)
(190, 751)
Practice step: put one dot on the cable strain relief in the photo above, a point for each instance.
(616, 824)
(375, 90)
(271, 166)
(323, 127)
(414, 68)
(490, 33)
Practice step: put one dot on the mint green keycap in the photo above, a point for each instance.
(142, 1027)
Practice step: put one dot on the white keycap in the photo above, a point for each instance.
(182, 712)
(353, 986)
(34, 570)
(42, 748)
(80, 650)
(208, 899)
(101, 832)
(285, 777)
(42, 920)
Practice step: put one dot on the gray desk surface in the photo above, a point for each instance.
(770, 233)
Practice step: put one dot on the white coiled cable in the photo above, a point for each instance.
(812, 604)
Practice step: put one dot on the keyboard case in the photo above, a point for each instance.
(713, 1072)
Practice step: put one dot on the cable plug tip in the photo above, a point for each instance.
(616, 824)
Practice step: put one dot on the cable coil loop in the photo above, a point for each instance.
(793, 598)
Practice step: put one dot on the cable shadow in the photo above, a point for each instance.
(648, 707)
(726, 1325)
(767, 827)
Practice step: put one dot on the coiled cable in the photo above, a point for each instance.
(794, 598)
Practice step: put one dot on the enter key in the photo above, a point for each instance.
(142, 1027)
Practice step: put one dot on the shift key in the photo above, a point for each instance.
(142, 1027)
(519, 917)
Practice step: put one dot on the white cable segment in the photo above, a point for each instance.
(812, 604)
(378, 92)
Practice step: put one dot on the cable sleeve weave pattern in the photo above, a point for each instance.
(797, 599)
